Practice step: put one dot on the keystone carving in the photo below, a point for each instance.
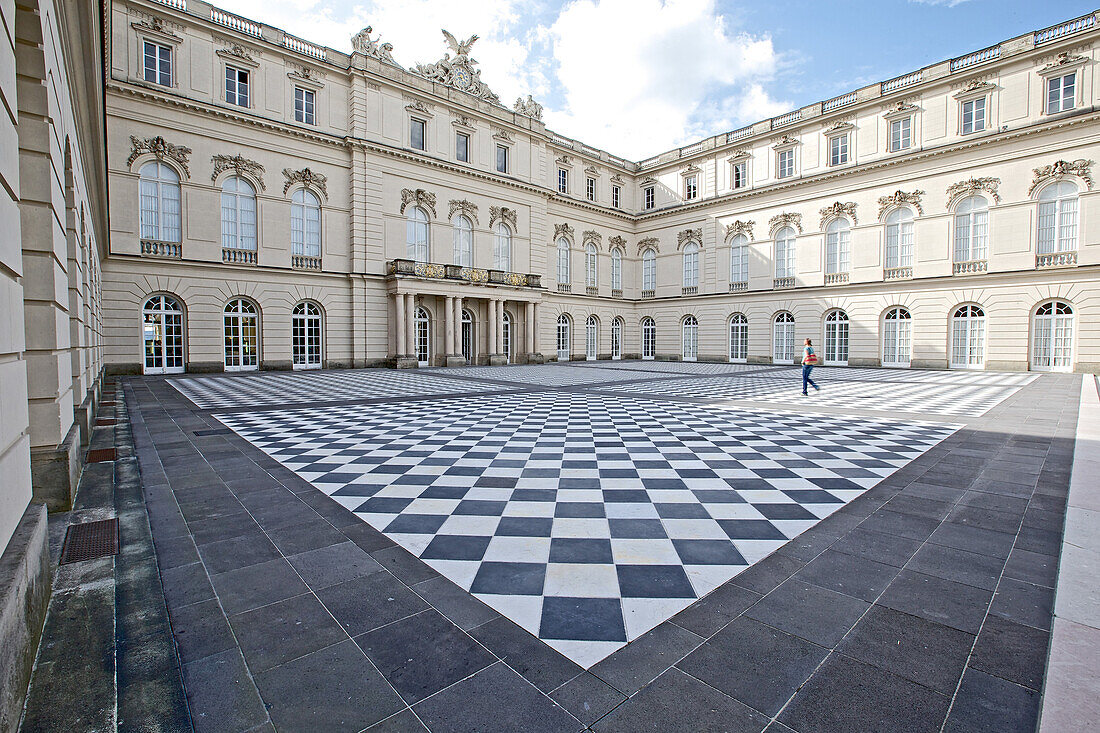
(240, 166)
(782, 220)
(563, 230)
(973, 185)
(740, 227)
(419, 197)
(161, 149)
(504, 214)
(648, 242)
(1060, 169)
(617, 241)
(592, 236)
(463, 207)
(838, 209)
(307, 178)
(689, 235)
(900, 198)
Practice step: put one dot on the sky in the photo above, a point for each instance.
(639, 77)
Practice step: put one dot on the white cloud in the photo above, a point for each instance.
(635, 77)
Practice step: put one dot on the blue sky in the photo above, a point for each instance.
(637, 77)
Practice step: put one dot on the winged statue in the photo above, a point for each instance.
(461, 49)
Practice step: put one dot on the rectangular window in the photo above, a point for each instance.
(502, 158)
(158, 64)
(691, 187)
(590, 188)
(1061, 93)
(973, 116)
(416, 133)
(563, 180)
(785, 166)
(740, 175)
(649, 197)
(901, 134)
(304, 107)
(838, 150)
(462, 147)
(236, 86)
(616, 196)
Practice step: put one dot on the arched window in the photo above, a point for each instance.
(506, 335)
(784, 253)
(1052, 337)
(739, 337)
(617, 338)
(238, 214)
(836, 338)
(591, 338)
(307, 328)
(563, 337)
(838, 245)
(467, 336)
(649, 270)
(162, 335)
(689, 332)
(896, 338)
(502, 248)
(591, 275)
(563, 261)
(649, 338)
(159, 202)
(305, 224)
(968, 337)
(242, 335)
(616, 269)
(783, 338)
(423, 335)
(1058, 218)
(971, 229)
(899, 238)
(739, 259)
(691, 265)
(416, 234)
(463, 241)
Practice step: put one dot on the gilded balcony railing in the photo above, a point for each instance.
(476, 275)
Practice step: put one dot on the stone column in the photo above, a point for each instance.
(399, 345)
(500, 328)
(410, 326)
(449, 326)
(457, 325)
(490, 328)
(529, 321)
(536, 309)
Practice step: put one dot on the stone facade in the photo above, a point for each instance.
(394, 157)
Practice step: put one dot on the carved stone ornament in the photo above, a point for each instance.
(463, 207)
(458, 72)
(419, 197)
(307, 178)
(618, 179)
(617, 241)
(236, 52)
(900, 198)
(240, 166)
(564, 160)
(157, 26)
(504, 214)
(781, 220)
(785, 141)
(1061, 168)
(417, 107)
(974, 86)
(1066, 58)
(837, 210)
(528, 108)
(740, 227)
(305, 75)
(592, 236)
(839, 126)
(899, 108)
(563, 230)
(161, 149)
(591, 171)
(689, 235)
(739, 155)
(502, 135)
(649, 242)
(462, 121)
(690, 170)
(648, 180)
(965, 188)
(362, 43)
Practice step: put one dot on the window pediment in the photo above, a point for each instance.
(900, 110)
(649, 243)
(419, 108)
(1061, 168)
(739, 156)
(900, 198)
(691, 170)
(740, 227)
(240, 166)
(1064, 63)
(785, 219)
(304, 76)
(839, 210)
(974, 89)
(418, 197)
(785, 143)
(159, 29)
(239, 55)
(689, 235)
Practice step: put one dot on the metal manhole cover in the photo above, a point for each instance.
(99, 455)
(89, 540)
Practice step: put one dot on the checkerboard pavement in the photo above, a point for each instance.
(585, 518)
(208, 393)
(660, 368)
(546, 375)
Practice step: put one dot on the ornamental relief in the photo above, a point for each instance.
(240, 166)
(617, 241)
(234, 51)
(784, 142)
(458, 72)
(362, 43)
(592, 236)
(528, 108)
(419, 197)
(307, 178)
(464, 207)
(306, 75)
(504, 214)
(691, 169)
(416, 106)
(157, 26)
(502, 135)
(689, 235)
(647, 243)
(782, 220)
(974, 87)
(563, 230)
(591, 171)
(161, 149)
(974, 185)
(900, 198)
(839, 209)
(1060, 169)
(1066, 58)
(618, 179)
(740, 227)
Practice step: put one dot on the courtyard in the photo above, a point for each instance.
(607, 545)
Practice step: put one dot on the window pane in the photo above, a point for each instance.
(416, 134)
(462, 147)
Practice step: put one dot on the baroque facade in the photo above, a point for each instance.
(278, 204)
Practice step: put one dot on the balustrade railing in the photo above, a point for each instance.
(837, 102)
(156, 248)
(236, 23)
(1064, 29)
(783, 282)
(565, 288)
(476, 275)
(970, 266)
(897, 273)
(738, 287)
(978, 57)
(177, 4)
(647, 294)
(591, 290)
(1056, 259)
(305, 47)
(836, 278)
(900, 82)
(305, 262)
(239, 256)
(786, 119)
(616, 293)
(689, 290)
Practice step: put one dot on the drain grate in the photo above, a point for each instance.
(89, 540)
(101, 454)
(213, 431)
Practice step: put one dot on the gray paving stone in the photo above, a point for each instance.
(403, 564)
(1032, 567)
(404, 722)
(201, 630)
(186, 584)
(237, 552)
(257, 585)
(538, 663)
(1024, 603)
(710, 613)
(987, 704)
(309, 535)
(855, 576)
(276, 633)
(334, 564)
(809, 611)
(647, 657)
(883, 548)
(945, 602)
(973, 539)
(587, 698)
(1011, 651)
(221, 695)
(456, 604)
(899, 524)
(981, 571)
(369, 601)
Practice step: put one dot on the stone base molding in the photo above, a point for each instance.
(55, 472)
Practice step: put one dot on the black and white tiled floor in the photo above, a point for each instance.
(585, 518)
(546, 375)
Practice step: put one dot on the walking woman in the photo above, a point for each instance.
(809, 360)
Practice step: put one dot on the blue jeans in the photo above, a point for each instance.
(806, 369)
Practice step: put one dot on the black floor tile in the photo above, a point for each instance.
(220, 694)
(1024, 603)
(809, 611)
(257, 585)
(185, 585)
(845, 695)
(854, 576)
(334, 564)
(981, 571)
(538, 663)
(423, 654)
(945, 602)
(307, 536)
(973, 539)
(987, 704)
(709, 614)
(883, 548)
(754, 663)
(1032, 567)
(403, 564)
(587, 698)
(766, 575)
(902, 525)
(238, 552)
(367, 602)
(645, 658)
(456, 604)
(274, 634)
(1011, 651)
(200, 630)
